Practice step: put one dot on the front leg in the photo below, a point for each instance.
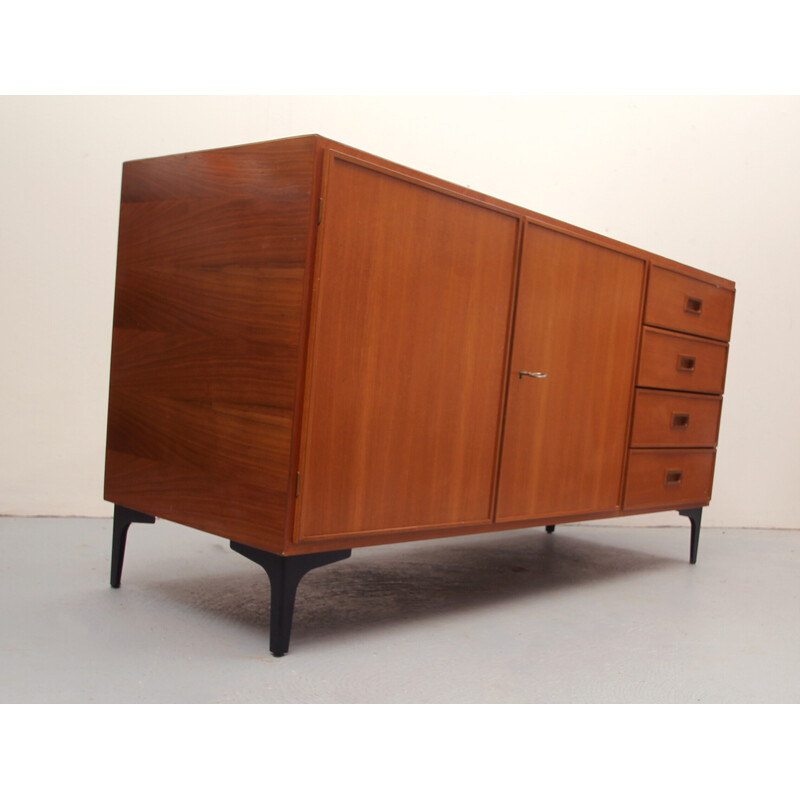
(284, 574)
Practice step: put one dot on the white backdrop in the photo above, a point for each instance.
(710, 181)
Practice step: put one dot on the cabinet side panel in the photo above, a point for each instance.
(207, 324)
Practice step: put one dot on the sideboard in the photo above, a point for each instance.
(315, 349)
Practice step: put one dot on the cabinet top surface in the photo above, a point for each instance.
(322, 145)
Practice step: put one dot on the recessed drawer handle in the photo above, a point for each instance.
(686, 363)
(694, 305)
(674, 477)
(523, 373)
(680, 421)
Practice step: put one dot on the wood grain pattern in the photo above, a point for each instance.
(660, 364)
(207, 327)
(210, 369)
(685, 304)
(267, 302)
(412, 313)
(227, 443)
(193, 497)
(648, 484)
(260, 172)
(675, 419)
(577, 320)
(397, 374)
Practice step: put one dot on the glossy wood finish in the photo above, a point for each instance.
(675, 419)
(669, 478)
(685, 363)
(407, 362)
(372, 353)
(577, 321)
(207, 331)
(682, 303)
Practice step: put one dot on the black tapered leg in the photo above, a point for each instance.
(122, 520)
(284, 574)
(695, 515)
(550, 528)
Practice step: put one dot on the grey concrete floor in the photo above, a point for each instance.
(589, 614)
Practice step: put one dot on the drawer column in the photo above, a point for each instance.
(679, 386)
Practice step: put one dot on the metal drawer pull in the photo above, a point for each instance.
(686, 363)
(680, 421)
(694, 305)
(674, 477)
(522, 372)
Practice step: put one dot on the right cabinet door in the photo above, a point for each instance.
(571, 379)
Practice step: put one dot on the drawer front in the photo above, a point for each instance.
(673, 361)
(669, 478)
(675, 419)
(685, 304)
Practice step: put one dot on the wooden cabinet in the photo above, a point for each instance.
(315, 349)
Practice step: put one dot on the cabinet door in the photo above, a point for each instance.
(408, 351)
(577, 322)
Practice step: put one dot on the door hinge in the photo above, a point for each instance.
(297, 486)
(319, 213)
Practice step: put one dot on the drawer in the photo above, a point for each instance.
(669, 478)
(675, 419)
(685, 363)
(686, 304)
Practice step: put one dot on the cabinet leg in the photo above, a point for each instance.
(550, 528)
(695, 515)
(122, 520)
(284, 574)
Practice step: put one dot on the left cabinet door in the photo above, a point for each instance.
(408, 344)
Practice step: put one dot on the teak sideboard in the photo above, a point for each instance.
(315, 349)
